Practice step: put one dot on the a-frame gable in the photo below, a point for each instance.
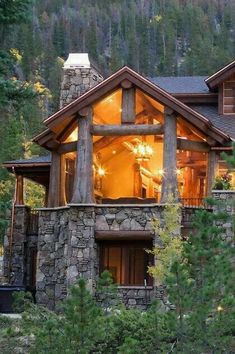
(61, 119)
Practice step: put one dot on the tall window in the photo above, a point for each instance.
(127, 261)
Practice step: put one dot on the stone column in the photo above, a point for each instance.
(169, 183)
(81, 246)
(15, 247)
(77, 78)
(51, 274)
(226, 203)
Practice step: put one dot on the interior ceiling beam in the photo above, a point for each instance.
(147, 105)
(125, 130)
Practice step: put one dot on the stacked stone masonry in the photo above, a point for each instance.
(226, 201)
(67, 248)
(77, 81)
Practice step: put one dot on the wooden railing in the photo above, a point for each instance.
(197, 203)
(32, 228)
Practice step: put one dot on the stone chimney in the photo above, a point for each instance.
(79, 77)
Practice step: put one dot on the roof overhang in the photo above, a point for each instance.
(217, 78)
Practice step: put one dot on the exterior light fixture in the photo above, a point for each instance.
(143, 152)
(220, 308)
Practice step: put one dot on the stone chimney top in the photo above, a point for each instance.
(79, 77)
(77, 60)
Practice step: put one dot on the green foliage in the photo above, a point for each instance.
(106, 290)
(76, 329)
(34, 194)
(169, 247)
(14, 11)
(201, 284)
(223, 182)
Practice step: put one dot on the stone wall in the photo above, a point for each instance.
(67, 249)
(128, 218)
(15, 255)
(227, 203)
(52, 256)
(77, 81)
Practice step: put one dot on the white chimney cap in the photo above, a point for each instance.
(77, 60)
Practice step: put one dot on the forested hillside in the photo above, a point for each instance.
(154, 37)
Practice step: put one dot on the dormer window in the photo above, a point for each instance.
(229, 96)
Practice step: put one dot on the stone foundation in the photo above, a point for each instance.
(67, 249)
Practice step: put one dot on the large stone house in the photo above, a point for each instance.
(117, 148)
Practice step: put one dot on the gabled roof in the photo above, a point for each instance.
(224, 123)
(58, 121)
(214, 80)
(34, 161)
(181, 84)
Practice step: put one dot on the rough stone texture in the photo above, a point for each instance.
(77, 81)
(52, 256)
(15, 247)
(126, 218)
(138, 297)
(67, 249)
(227, 199)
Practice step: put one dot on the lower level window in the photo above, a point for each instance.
(127, 261)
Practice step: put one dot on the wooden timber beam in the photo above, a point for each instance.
(67, 147)
(83, 191)
(189, 145)
(128, 105)
(169, 182)
(56, 195)
(19, 190)
(211, 170)
(125, 130)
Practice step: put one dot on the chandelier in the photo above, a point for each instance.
(143, 152)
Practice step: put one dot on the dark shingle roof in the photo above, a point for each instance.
(181, 84)
(226, 123)
(40, 159)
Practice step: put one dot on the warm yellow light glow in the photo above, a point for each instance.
(143, 152)
(161, 172)
(178, 171)
(101, 171)
(220, 308)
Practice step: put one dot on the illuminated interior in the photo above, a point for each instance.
(132, 166)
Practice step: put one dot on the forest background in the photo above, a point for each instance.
(154, 37)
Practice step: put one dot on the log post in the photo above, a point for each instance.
(169, 183)
(211, 170)
(83, 192)
(19, 190)
(128, 105)
(56, 195)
